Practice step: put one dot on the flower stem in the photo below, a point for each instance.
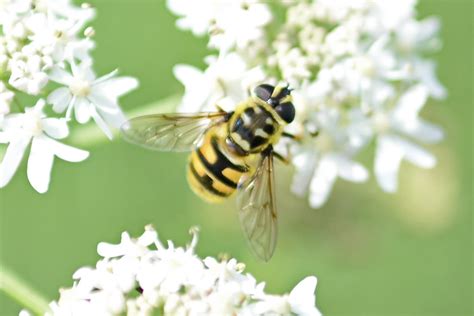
(21, 292)
(90, 134)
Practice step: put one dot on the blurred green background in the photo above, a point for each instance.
(374, 254)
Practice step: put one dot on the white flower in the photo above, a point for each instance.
(38, 39)
(348, 62)
(33, 127)
(64, 9)
(414, 36)
(229, 23)
(195, 16)
(338, 11)
(90, 97)
(300, 301)
(238, 23)
(389, 15)
(60, 36)
(391, 148)
(226, 82)
(28, 72)
(12, 8)
(175, 281)
(6, 97)
(294, 66)
(321, 160)
(424, 72)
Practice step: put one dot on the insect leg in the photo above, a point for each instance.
(291, 136)
(285, 160)
(228, 114)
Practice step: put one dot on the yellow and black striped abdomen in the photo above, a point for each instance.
(212, 174)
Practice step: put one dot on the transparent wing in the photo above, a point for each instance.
(170, 132)
(257, 209)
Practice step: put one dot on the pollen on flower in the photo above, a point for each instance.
(80, 87)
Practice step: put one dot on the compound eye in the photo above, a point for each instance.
(286, 111)
(264, 91)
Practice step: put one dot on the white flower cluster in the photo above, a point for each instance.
(45, 56)
(143, 277)
(359, 70)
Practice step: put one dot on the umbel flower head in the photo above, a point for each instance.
(360, 71)
(42, 44)
(142, 276)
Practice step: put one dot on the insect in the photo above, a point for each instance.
(230, 151)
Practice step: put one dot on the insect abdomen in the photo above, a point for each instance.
(211, 173)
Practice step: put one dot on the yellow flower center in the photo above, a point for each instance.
(80, 88)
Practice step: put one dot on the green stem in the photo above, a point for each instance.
(88, 135)
(21, 292)
(18, 105)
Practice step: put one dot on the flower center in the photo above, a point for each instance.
(365, 66)
(80, 87)
(32, 124)
(381, 122)
(324, 142)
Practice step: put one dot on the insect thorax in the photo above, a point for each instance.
(253, 127)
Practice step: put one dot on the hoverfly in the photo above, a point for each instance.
(230, 151)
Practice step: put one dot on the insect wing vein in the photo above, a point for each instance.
(257, 213)
(170, 132)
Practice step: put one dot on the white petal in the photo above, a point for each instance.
(350, 170)
(428, 28)
(305, 163)
(416, 155)
(70, 107)
(303, 293)
(4, 139)
(82, 110)
(103, 102)
(116, 119)
(56, 128)
(60, 99)
(410, 103)
(424, 131)
(188, 75)
(39, 106)
(426, 71)
(323, 181)
(116, 87)
(107, 250)
(61, 76)
(40, 164)
(388, 157)
(148, 237)
(12, 158)
(83, 70)
(105, 77)
(101, 123)
(66, 152)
